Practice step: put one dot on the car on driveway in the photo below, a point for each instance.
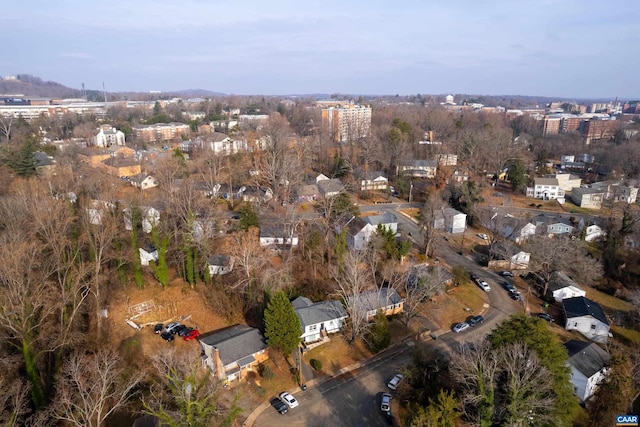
(515, 295)
(158, 328)
(459, 327)
(505, 273)
(279, 405)
(288, 399)
(167, 336)
(385, 403)
(545, 316)
(483, 236)
(393, 384)
(474, 277)
(191, 335)
(172, 327)
(509, 287)
(180, 330)
(475, 320)
(484, 286)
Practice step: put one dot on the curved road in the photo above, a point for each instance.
(353, 399)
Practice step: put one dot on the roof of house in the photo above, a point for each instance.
(117, 162)
(307, 190)
(330, 185)
(420, 271)
(149, 248)
(420, 164)
(385, 218)
(586, 357)
(374, 300)
(581, 306)
(560, 280)
(549, 219)
(234, 342)
(313, 313)
(371, 176)
(579, 191)
(216, 137)
(546, 181)
(222, 260)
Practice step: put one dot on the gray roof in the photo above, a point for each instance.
(219, 260)
(374, 300)
(314, 313)
(586, 357)
(578, 190)
(421, 163)
(546, 181)
(549, 219)
(330, 185)
(385, 218)
(560, 280)
(235, 342)
(307, 190)
(581, 306)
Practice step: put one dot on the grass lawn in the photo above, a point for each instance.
(630, 335)
(337, 354)
(459, 303)
(608, 301)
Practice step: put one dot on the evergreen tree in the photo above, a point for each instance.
(23, 160)
(282, 324)
(249, 218)
(379, 335)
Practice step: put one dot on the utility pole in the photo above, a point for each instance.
(410, 190)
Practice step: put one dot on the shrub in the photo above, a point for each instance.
(267, 372)
(316, 364)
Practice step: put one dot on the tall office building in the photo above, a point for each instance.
(348, 122)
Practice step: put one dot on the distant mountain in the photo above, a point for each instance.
(29, 85)
(204, 93)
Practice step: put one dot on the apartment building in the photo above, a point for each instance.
(160, 132)
(597, 129)
(347, 123)
(546, 189)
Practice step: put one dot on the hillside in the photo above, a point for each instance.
(34, 86)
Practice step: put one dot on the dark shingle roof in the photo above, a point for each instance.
(586, 357)
(560, 280)
(374, 300)
(581, 306)
(318, 312)
(235, 342)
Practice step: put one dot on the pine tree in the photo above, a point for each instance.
(282, 324)
(379, 335)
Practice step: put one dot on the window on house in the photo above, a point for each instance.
(575, 324)
(313, 328)
(593, 327)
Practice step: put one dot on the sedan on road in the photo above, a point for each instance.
(288, 399)
(459, 327)
(483, 236)
(279, 405)
(509, 287)
(484, 286)
(545, 316)
(385, 404)
(505, 273)
(475, 320)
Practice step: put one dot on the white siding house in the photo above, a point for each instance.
(586, 317)
(546, 189)
(589, 366)
(320, 318)
(562, 287)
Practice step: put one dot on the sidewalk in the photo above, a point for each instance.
(390, 352)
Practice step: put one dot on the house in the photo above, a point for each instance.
(272, 235)
(509, 257)
(419, 168)
(617, 192)
(232, 351)
(92, 157)
(586, 317)
(219, 265)
(515, 229)
(307, 193)
(552, 225)
(562, 287)
(148, 253)
(330, 187)
(451, 220)
(108, 136)
(122, 166)
(386, 219)
(373, 181)
(143, 181)
(591, 232)
(546, 189)
(149, 217)
(97, 209)
(358, 232)
(120, 151)
(320, 318)
(566, 181)
(590, 198)
(256, 194)
(459, 176)
(368, 303)
(45, 164)
(422, 273)
(589, 366)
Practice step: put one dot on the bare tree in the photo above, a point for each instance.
(91, 387)
(428, 214)
(421, 283)
(6, 125)
(248, 255)
(351, 281)
(14, 401)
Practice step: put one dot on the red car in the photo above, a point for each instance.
(192, 335)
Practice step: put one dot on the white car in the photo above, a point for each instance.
(393, 384)
(289, 399)
(483, 236)
(385, 404)
(484, 285)
(459, 327)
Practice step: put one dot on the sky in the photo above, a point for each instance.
(568, 48)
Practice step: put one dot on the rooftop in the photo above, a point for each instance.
(586, 357)
(581, 306)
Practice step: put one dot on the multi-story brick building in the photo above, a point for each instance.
(160, 132)
(597, 129)
(347, 123)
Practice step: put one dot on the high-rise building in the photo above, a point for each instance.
(347, 123)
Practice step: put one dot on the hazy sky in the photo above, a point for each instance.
(571, 48)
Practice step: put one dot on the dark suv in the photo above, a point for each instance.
(279, 405)
(475, 320)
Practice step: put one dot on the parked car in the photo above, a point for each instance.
(184, 331)
(385, 404)
(509, 287)
(288, 399)
(158, 328)
(279, 405)
(484, 286)
(475, 320)
(546, 317)
(192, 335)
(179, 330)
(167, 336)
(474, 277)
(459, 327)
(171, 327)
(395, 381)
(515, 295)
(505, 273)
(483, 236)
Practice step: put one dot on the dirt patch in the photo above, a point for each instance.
(455, 306)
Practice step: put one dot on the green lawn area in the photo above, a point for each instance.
(470, 296)
(630, 335)
(608, 301)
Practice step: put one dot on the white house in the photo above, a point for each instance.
(367, 304)
(358, 232)
(219, 265)
(592, 232)
(149, 218)
(552, 225)
(546, 189)
(566, 181)
(451, 220)
(329, 187)
(419, 168)
(373, 181)
(143, 181)
(589, 366)
(590, 198)
(320, 318)
(586, 317)
(97, 209)
(562, 287)
(277, 236)
(108, 136)
(147, 254)
(386, 219)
